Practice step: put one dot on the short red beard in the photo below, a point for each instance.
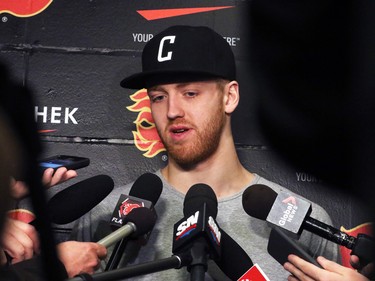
(207, 140)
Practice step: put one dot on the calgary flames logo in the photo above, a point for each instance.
(127, 206)
(146, 137)
(24, 8)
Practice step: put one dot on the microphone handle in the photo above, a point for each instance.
(197, 273)
(328, 232)
(115, 258)
(198, 265)
(363, 245)
(123, 231)
(176, 261)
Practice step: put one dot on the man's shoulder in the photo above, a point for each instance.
(275, 186)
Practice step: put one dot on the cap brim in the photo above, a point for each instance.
(149, 79)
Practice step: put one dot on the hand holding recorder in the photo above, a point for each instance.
(60, 168)
(302, 270)
(56, 169)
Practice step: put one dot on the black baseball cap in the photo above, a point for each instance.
(183, 54)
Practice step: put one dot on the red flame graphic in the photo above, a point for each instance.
(126, 208)
(24, 8)
(146, 137)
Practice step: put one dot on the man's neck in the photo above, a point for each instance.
(223, 172)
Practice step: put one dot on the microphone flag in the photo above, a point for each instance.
(289, 212)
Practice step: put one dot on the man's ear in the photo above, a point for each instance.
(231, 97)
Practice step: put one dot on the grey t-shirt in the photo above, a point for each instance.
(250, 233)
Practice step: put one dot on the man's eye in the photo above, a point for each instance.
(157, 98)
(190, 94)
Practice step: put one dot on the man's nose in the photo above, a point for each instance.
(175, 108)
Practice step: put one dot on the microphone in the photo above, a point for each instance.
(234, 261)
(292, 213)
(74, 201)
(198, 232)
(280, 246)
(200, 211)
(139, 221)
(145, 192)
(176, 262)
(93, 190)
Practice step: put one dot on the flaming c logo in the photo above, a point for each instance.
(24, 8)
(146, 137)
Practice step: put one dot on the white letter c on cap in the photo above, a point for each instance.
(161, 46)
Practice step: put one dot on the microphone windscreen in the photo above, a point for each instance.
(257, 200)
(234, 261)
(148, 187)
(76, 200)
(197, 195)
(143, 218)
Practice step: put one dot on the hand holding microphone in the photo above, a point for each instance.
(79, 257)
(138, 222)
(292, 213)
(234, 261)
(20, 240)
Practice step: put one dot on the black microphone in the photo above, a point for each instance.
(138, 222)
(176, 261)
(76, 200)
(198, 232)
(234, 261)
(145, 192)
(292, 213)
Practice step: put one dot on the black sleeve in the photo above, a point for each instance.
(29, 270)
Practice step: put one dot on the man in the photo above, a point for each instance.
(190, 76)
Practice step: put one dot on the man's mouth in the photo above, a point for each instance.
(179, 131)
